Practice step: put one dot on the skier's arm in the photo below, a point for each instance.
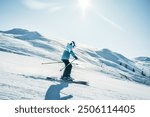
(73, 54)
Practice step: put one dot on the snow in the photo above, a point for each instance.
(22, 76)
(146, 59)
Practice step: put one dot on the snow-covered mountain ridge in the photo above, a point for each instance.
(23, 51)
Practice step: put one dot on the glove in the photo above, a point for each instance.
(76, 57)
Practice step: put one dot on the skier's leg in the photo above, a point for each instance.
(69, 70)
(66, 62)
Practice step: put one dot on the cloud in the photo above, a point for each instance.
(56, 8)
(35, 4)
(41, 5)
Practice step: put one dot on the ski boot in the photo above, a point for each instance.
(67, 78)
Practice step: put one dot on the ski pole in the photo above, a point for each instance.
(57, 62)
(52, 62)
(67, 65)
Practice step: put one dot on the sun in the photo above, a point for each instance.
(84, 4)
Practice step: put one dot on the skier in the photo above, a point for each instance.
(65, 58)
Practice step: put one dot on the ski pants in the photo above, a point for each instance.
(67, 70)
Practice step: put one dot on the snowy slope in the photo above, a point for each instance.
(144, 64)
(22, 76)
(146, 59)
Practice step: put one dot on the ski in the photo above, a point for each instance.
(74, 81)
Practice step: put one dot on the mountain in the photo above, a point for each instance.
(146, 59)
(24, 34)
(17, 31)
(24, 42)
(109, 74)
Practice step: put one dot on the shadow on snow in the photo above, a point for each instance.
(54, 92)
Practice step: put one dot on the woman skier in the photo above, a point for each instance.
(65, 58)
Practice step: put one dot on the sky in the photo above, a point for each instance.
(122, 26)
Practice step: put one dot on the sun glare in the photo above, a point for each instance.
(84, 4)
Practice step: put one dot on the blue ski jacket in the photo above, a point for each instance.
(67, 52)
